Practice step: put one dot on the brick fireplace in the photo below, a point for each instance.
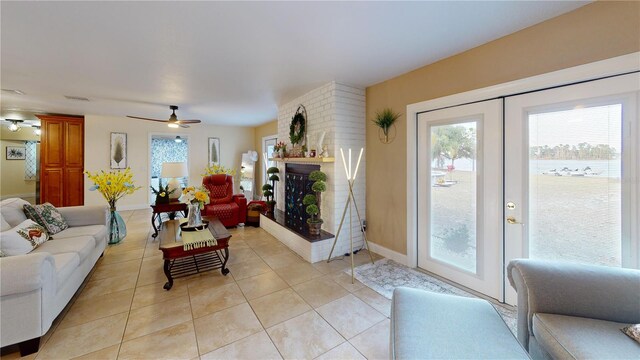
(338, 110)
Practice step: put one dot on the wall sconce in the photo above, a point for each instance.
(13, 127)
(178, 139)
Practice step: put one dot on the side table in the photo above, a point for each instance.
(170, 208)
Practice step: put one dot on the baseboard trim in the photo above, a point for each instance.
(388, 253)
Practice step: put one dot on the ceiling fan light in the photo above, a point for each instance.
(173, 125)
(13, 127)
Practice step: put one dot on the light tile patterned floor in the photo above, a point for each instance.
(272, 305)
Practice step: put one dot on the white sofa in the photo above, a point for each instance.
(34, 288)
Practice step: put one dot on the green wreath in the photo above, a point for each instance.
(298, 121)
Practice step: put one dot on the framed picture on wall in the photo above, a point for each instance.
(118, 152)
(214, 151)
(16, 153)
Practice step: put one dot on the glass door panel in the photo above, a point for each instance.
(574, 188)
(460, 195)
(453, 194)
(571, 174)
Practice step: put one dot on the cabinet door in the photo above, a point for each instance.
(73, 143)
(51, 186)
(73, 187)
(52, 143)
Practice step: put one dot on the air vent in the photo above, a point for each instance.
(14, 91)
(76, 98)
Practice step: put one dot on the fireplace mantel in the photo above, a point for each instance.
(301, 160)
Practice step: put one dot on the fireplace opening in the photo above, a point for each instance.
(296, 186)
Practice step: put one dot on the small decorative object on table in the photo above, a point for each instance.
(312, 201)
(195, 198)
(162, 194)
(114, 185)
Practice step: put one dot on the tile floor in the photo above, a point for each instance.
(272, 305)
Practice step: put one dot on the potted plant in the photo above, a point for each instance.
(280, 148)
(268, 190)
(312, 201)
(384, 120)
(163, 192)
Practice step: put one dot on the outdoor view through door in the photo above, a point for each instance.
(453, 194)
(574, 184)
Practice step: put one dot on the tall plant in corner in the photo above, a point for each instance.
(268, 190)
(312, 201)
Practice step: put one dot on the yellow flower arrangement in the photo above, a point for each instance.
(192, 195)
(218, 169)
(113, 185)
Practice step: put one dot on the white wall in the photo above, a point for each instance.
(339, 110)
(234, 140)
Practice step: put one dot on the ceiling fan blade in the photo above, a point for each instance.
(185, 126)
(190, 121)
(142, 118)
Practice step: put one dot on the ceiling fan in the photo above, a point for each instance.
(173, 121)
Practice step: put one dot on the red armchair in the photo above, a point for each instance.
(230, 209)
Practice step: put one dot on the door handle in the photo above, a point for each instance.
(512, 220)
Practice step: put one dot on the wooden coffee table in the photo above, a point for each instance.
(179, 262)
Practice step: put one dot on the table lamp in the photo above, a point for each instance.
(173, 171)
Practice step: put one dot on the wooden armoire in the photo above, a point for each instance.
(62, 160)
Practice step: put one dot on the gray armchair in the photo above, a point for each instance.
(574, 311)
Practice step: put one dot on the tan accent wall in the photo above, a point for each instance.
(12, 180)
(270, 128)
(597, 31)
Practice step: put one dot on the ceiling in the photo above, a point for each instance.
(229, 63)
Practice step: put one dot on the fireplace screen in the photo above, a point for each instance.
(297, 185)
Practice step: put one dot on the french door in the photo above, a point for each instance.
(571, 174)
(568, 188)
(460, 195)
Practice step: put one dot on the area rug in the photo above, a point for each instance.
(386, 275)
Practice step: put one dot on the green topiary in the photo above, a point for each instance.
(319, 186)
(309, 199)
(273, 170)
(266, 187)
(313, 211)
(317, 175)
(274, 177)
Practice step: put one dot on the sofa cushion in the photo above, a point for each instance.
(46, 215)
(428, 325)
(23, 238)
(12, 211)
(97, 231)
(66, 264)
(4, 225)
(572, 337)
(82, 245)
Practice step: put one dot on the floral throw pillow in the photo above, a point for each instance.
(632, 331)
(23, 238)
(47, 216)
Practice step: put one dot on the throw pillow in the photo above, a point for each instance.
(46, 215)
(23, 238)
(632, 331)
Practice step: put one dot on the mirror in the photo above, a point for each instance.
(247, 174)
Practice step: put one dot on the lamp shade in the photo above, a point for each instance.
(174, 170)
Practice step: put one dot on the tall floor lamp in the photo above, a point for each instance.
(351, 178)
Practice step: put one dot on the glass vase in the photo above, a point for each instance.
(194, 218)
(117, 227)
